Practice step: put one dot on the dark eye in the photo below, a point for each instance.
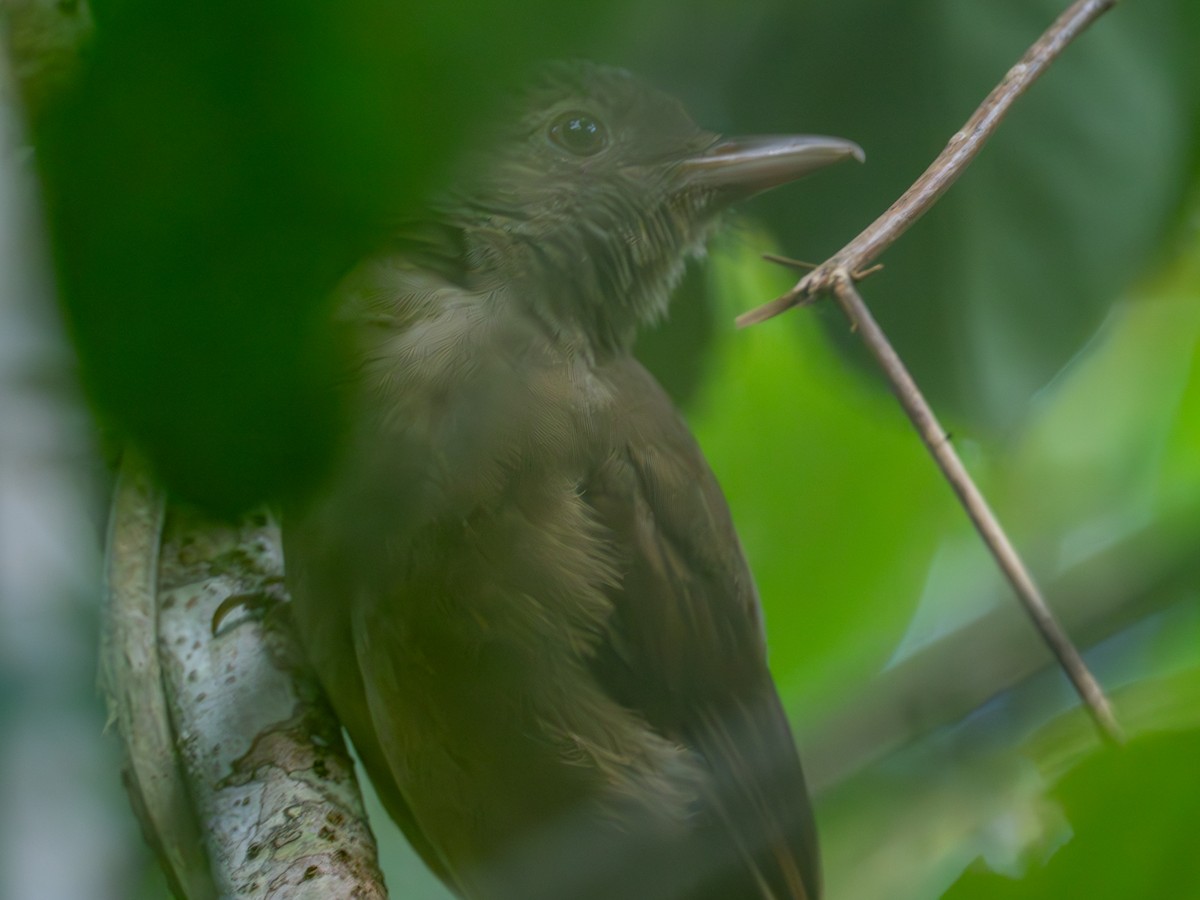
(579, 133)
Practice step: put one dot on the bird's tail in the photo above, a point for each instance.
(760, 803)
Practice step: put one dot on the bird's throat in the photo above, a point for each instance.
(595, 282)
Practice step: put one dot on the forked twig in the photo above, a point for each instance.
(837, 276)
(963, 147)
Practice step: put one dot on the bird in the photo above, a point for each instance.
(521, 587)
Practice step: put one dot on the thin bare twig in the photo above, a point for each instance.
(838, 274)
(980, 513)
(939, 686)
(964, 146)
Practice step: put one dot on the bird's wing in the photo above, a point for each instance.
(686, 647)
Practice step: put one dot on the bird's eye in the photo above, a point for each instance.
(579, 133)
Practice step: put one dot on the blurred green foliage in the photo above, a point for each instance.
(1128, 810)
(220, 166)
(218, 169)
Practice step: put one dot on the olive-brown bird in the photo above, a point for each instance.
(522, 591)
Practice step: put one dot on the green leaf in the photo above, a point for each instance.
(1134, 816)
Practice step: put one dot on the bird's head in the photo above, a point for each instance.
(595, 190)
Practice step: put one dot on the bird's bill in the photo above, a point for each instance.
(748, 165)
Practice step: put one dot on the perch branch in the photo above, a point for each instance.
(235, 765)
(131, 678)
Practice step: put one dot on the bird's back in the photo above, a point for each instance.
(546, 641)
